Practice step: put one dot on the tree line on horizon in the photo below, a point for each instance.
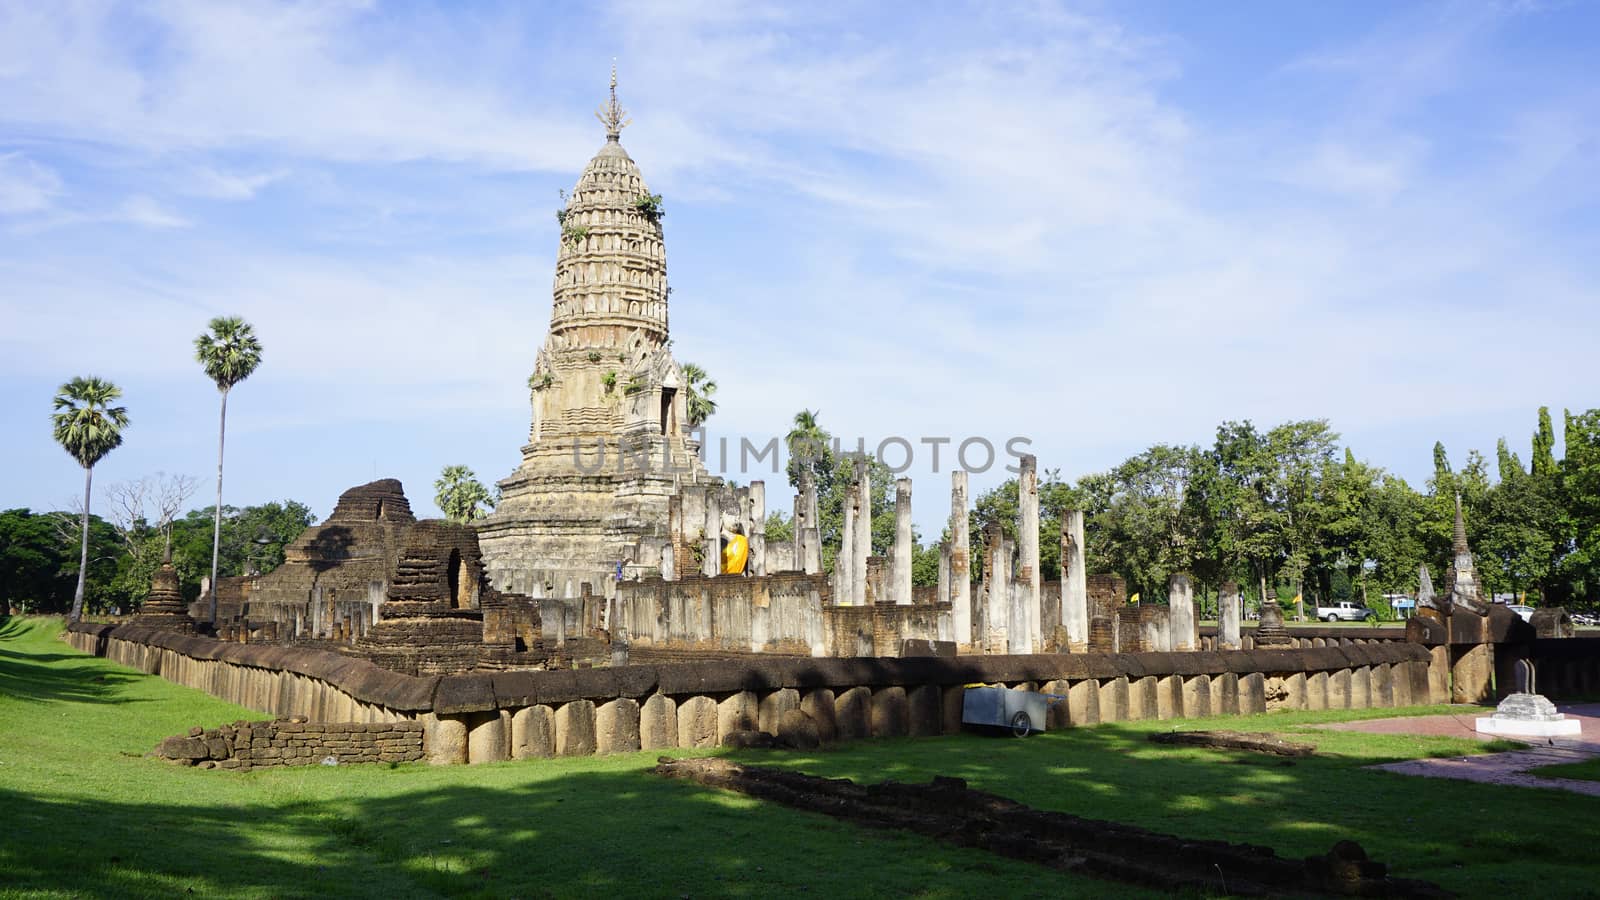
(1287, 510)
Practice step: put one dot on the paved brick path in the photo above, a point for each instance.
(1510, 767)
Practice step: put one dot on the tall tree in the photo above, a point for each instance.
(88, 427)
(229, 352)
(460, 495)
(698, 388)
(1544, 445)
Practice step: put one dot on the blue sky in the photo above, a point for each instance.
(1100, 225)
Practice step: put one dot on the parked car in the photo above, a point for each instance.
(1346, 611)
(1526, 612)
(1588, 620)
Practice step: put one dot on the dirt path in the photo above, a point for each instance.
(1510, 767)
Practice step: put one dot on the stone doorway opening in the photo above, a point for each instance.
(667, 396)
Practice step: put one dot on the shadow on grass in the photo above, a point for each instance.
(576, 834)
(27, 674)
(1467, 837)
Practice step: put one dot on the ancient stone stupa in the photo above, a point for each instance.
(164, 606)
(610, 440)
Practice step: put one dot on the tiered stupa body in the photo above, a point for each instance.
(604, 378)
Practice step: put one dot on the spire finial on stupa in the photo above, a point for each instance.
(611, 114)
(1459, 544)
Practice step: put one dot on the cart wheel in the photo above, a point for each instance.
(1021, 724)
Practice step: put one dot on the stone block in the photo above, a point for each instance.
(1114, 699)
(1225, 694)
(1400, 683)
(798, 730)
(1382, 686)
(1294, 685)
(1252, 694)
(658, 723)
(1083, 703)
(819, 705)
(616, 726)
(1339, 689)
(1196, 696)
(1317, 690)
(1473, 669)
(487, 740)
(1439, 675)
(924, 710)
(1142, 698)
(445, 739)
(852, 710)
(533, 733)
(1169, 696)
(1361, 687)
(773, 706)
(890, 716)
(697, 722)
(738, 712)
(1056, 713)
(951, 699)
(575, 729)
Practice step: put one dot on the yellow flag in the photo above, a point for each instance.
(1134, 598)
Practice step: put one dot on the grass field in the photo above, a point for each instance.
(1588, 770)
(84, 813)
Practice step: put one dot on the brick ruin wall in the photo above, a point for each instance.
(283, 742)
(487, 716)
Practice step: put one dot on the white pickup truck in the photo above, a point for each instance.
(1346, 611)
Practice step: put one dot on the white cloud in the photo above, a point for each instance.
(205, 181)
(26, 186)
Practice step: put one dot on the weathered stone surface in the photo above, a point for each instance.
(697, 723)
(446, 739)
(890, 715)
(533, 733)
(1317, 690)
(774, 705)
(658, 723)
(852, 711)
(1225, 694)
(1252, 694)
(575, 735)
(616, 726)
(487, 740)
(1114, 702)
(740, 712)
(819, 705)
(1196, 696)
(1143, 702)
(925, 711)
(798, 730)
(1083, 703)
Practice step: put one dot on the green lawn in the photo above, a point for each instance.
(85, 813)
(1588, 770)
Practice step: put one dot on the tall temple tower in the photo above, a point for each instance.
(609, 443)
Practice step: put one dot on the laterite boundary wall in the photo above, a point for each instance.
(489, 716)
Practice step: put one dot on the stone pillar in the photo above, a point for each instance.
(863, 547)
(1028, 550)
(900, 577)
(811, 551)
(1180, 603)
(1230, 610)
(1074, 583)
(712, 564)
(942, 594)
(997, 599)
(757, 564)
(960, 560)
(844, 565)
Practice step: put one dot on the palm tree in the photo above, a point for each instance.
(229, 352)
(698, 388)
(460, 495)
(88, 427)
(808, 448)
